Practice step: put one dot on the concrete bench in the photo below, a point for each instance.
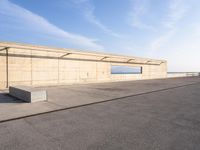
(28, 94)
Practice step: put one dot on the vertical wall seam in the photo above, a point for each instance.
(58, 70)
(31, 68)
(96, 72)
(7, 82)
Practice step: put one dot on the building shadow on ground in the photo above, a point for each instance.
(6, 98)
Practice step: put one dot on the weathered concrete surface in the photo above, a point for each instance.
(163, 120)
(60, 97)
(30, 65)
(28, 94)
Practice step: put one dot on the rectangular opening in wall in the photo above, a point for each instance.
(125, 70)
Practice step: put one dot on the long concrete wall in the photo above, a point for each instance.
(36, 65)
(182, 74)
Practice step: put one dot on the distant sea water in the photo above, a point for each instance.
(125, 73)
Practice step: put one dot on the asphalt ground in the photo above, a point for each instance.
(71, 96)
(162, 119)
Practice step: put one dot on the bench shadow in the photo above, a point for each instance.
(6, 98)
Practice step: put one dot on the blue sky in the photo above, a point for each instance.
(164, 29)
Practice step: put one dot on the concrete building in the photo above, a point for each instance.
(22, 64)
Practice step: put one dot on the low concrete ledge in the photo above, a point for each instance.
(28, 94)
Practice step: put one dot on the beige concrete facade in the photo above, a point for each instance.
(22, 64)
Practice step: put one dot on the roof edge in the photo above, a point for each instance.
(54, 49)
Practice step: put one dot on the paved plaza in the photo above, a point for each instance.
(143, 115)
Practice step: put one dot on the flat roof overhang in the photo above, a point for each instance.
(73, 54)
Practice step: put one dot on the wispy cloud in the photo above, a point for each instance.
(139, 9)
(24, 18)
(197, 30)
(161, 40)
(87, 9)
(176, 11)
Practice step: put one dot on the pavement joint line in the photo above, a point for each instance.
(88, 104)
(53, 104)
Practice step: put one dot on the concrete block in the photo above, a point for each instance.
(28, 94)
